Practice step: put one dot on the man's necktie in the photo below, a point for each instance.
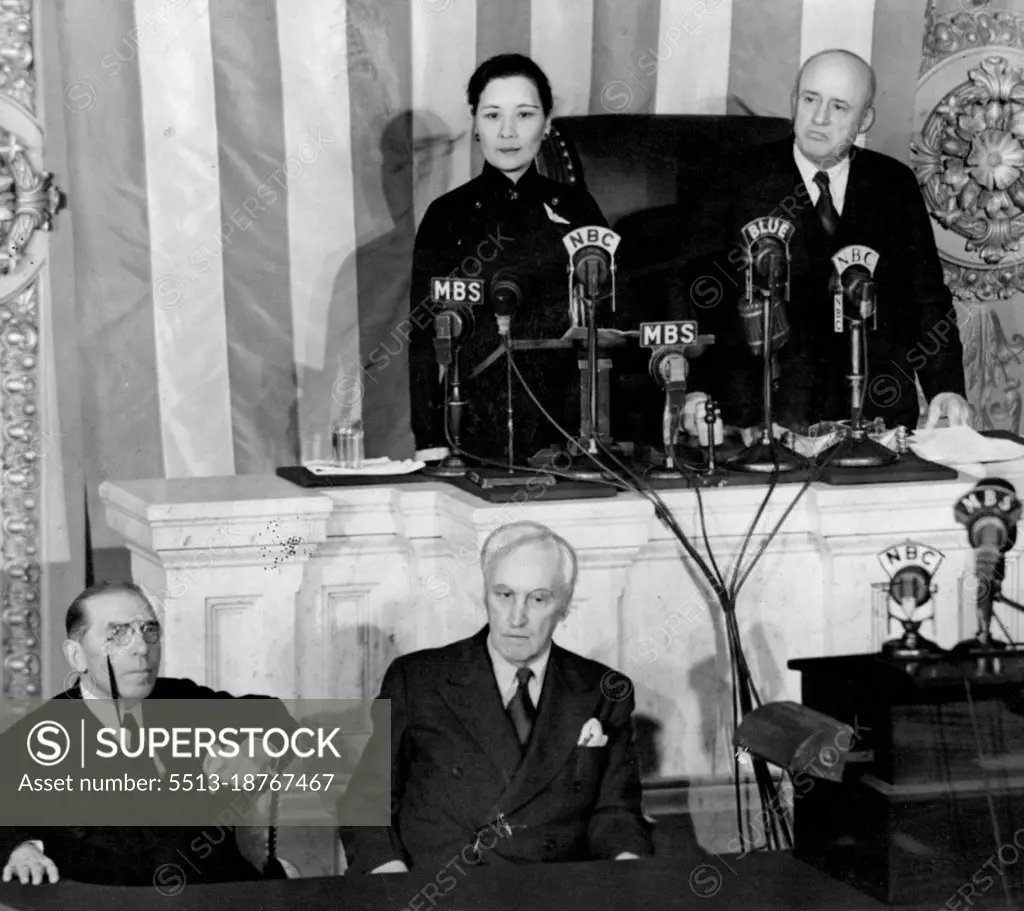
(131, 727)
(521, 709)
(826, 210)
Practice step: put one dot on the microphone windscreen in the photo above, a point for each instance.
(506, 292)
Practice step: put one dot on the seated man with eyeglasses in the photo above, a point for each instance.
(113, 645)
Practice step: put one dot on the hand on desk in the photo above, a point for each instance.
(951, 406)
(392, 866)
(30, 865)
(627, 855)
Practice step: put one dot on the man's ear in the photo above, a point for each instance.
(75, 655)
(867, 120)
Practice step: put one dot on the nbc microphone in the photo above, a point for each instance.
(990, 513)
(591, 252)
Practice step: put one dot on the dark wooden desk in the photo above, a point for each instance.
(758, 882)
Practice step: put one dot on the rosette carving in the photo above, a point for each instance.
(970, 159)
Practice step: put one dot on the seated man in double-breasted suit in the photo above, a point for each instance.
(114, 646)
(504, 747)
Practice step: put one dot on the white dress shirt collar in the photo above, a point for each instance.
(505, 674)
(838, 177)
(103, 707)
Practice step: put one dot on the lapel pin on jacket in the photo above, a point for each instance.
(554, 216)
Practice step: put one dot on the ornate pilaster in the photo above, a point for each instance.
(969, 161)
(28, 204)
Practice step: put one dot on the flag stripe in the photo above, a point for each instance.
(501, 28)
(846, 24)
(321, 238)
(256, 169)
(562, 43)
(392, 159)
(693, 57)
(764, 56)
(182, 194)
(624, 34)
(443, 57)
(121, 429)
(314, 135)
(898, 35)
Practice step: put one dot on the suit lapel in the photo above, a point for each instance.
(566, 702)
(470, 691)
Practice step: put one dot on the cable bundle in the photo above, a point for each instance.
(745, 697)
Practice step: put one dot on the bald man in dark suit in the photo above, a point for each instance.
(835, 194)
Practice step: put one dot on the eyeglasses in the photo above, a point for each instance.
(122, 634)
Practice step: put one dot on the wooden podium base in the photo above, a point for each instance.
(934, 810)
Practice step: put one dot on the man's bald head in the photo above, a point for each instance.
(832, 102)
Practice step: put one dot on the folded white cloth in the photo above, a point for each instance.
(962, 445)
(381, 466)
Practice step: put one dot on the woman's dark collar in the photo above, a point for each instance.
(495, 180)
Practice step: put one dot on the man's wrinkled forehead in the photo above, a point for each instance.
(836, 78)
(539, 556)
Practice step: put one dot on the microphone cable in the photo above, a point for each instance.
(744, 689)
(775, 826)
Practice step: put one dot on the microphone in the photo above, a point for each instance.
(767, 278)
(506, 296)
(990, 514)
(860, 294)
(450, 326)
(591, 252)
(592, 269)
(669, 369)
(457, 297)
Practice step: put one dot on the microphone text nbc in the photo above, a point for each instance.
(591, 236)
(197, 742)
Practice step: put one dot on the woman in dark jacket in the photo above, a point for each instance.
(509, 218)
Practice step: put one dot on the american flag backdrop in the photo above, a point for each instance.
(245, 178)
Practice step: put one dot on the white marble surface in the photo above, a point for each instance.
(306, 593)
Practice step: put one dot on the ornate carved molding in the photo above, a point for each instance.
(29, 202)
(969, 159)
(23, 448)
(17, 73)
(989, 354)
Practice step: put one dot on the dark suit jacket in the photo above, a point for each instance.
(917, 332)
(129, 855)
(456, 765)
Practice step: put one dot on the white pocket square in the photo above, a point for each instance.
(554, 216)
(591, 735)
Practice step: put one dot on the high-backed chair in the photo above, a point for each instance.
(660, 181)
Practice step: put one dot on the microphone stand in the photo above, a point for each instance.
(857, 449)
(767, 454)
(507, 339)
(583, 466)
(983, 640)
(452, 465)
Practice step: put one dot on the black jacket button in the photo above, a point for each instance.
(456, 771)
